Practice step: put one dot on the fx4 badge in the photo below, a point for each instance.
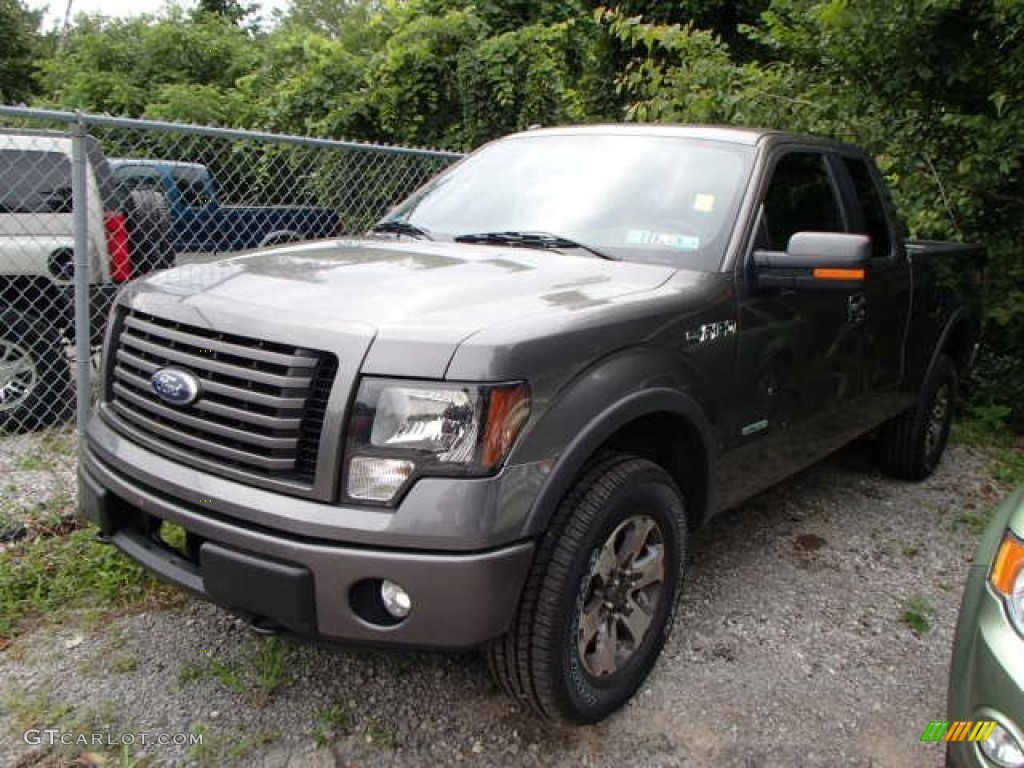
(710, 332)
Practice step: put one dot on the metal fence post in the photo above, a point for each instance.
(80, 224)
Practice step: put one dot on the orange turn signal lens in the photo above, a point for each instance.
(1008, 565)
(838, 274)
(509, 408)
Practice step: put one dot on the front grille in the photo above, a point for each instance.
(261, 405)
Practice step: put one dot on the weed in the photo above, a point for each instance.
(125, 664)
(226, 672)
(330, 722)
(917, 614)
(32, 462)
(381, 737)
(271, 659)
(243, 749)
(123, 759)
(202, 752)
(909, 551)
(974, 522)
(37, 711)
(173, 535)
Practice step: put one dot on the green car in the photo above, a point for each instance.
(986, 682)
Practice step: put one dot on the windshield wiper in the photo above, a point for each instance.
(398, 227)
(545, 240)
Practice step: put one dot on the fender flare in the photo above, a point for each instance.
(572, 461)
(960, 316)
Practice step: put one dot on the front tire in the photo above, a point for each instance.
(35, 377)
(911, 444)
(601, 596)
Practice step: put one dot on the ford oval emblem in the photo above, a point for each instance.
(174, 385)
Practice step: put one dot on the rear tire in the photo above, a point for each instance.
(35, 376)
(601, 595)
(911, 444)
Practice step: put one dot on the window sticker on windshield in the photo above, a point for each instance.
(663, 239)
(704, 203)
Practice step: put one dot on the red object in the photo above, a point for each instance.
(116, 226)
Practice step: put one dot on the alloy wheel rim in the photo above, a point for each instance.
(937, 417)
(620, 595)
(18, 375)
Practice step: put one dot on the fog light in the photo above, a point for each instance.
(1003, 749)
(396, 600)
(374, 479)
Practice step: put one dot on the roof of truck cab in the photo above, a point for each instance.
(721, 133)
(119, 161)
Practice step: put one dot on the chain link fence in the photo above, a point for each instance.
(88, 202)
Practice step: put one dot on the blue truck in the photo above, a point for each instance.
(201, 225)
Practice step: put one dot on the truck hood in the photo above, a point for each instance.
(433, 293)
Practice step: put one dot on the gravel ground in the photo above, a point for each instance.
(791, 648)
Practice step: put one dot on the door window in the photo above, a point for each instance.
(875, 224)
(800, 198)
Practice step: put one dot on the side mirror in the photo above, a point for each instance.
(816, 261)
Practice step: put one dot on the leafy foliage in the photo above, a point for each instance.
(19, 46)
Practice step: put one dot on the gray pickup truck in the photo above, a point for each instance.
(496, 419)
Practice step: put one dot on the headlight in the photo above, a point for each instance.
(401, 430)
(1007, 578)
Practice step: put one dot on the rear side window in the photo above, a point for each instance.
(130, 178)
(800, 198)
(33, 181)
(191, 184)
(869, 201)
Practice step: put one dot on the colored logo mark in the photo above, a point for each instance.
(958, 730)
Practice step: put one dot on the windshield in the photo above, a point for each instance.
(659, 199)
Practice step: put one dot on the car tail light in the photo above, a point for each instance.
(115, 225)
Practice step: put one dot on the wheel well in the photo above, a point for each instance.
(37, 295)
(959, 346)
(672, 442)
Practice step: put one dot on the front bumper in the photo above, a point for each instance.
(987, 669)
(306, 584)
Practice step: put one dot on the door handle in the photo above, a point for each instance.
(856, 308)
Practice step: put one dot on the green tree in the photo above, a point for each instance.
(934, 88)
(122, 66)
(233, 11)
(19, 47)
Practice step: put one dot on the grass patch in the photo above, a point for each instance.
(974, 522)
(46, 576)
(271, 661)
(259, 672)
(37, 711)
(330, 723)
(917, 614)
(124, 664)
(226, 672)
(984, 428)
(32, 462)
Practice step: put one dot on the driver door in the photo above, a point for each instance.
(798, 350)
